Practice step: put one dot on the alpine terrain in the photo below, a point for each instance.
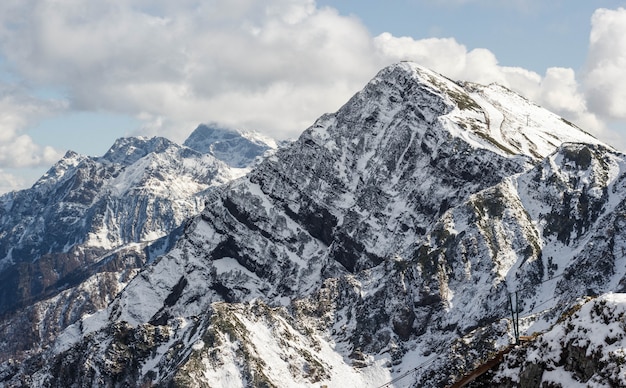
(403, 241)
(70, 243)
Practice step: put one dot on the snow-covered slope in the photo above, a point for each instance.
(69, 243)
(382, 244)
(236, 148)
(84, 207)
(516, 125)
(587, 348)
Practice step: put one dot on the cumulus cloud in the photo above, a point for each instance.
(605, 78)
(242, 62)
(10, 182)
(23, 152)
(17, 112)
(559, 91)
(273, 66)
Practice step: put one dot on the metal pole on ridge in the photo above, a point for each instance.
(514, 315)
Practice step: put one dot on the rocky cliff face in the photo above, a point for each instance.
(71, 242)
(381, 245)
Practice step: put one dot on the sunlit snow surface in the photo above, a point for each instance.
(595, 332)
(383, 244)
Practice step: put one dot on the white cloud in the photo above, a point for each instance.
(273, 66)
(10, 182)
(240, 62)
(560, 93)
(605, 78)
(17, 112)
(21, 151)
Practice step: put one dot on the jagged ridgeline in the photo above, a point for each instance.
(70, 243)
(384, 247)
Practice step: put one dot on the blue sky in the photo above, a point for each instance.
(77, 75)
(531, 34)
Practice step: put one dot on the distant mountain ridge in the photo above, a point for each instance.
(382, 246)
(236, 148)
(98, 219)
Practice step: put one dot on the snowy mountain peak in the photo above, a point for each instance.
(382, 247)
(128, 150)
(56, 173)
(235, 148)
(491, 117)
(93, 215)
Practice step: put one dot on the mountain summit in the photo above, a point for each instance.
(236, 148)
(382, 245)
(73, 240)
